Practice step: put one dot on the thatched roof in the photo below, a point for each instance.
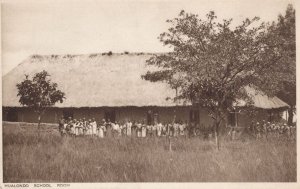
(93, 80)
(261, 100)
(97, 80)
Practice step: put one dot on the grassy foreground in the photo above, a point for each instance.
(52, 158)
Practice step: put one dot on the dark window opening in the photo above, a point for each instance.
(152, 117)
(155, 118)
(110, 115)
(149, 117)
(274, 116)
(194, 116)
(68, 114)
(10, 115)
(231, 119)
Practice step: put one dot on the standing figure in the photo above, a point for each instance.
(159, 129)
(108, 128)
(76, 126)
(72, 126)
(149, 130)
(164, 129)
(175, 129)
(103, 123)
(118, 129)
(269, 129)
(264, 129)
(89, 127)
(80, 127)
(170, 130)
(154, 130)
(114, 129)
(68, 127)
(61, 124)
(192, 130)
(144, 130)
(181, 129)
(185, 126)
(65, 129)
(128, 128)
(94, 127)
(258, 130)
(84, 125)
(134, 129)
(101, 130)
(124, 129)
(287, 130)
(139, 129)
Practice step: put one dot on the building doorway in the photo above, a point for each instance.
(152, 117)
(110, 115)
(194, 116)
(68, 114)
(232, 119)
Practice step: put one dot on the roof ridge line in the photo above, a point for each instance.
(110, 53)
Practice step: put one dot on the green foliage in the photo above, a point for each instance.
(39, 92)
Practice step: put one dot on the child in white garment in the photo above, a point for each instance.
(101, 131)
(76, 126)
(89, 127)
(144, 130)
(139, 129)
(128, 128)
(159, 129)
(94, 127)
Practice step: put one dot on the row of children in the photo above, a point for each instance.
(107, 128)
(276, 129)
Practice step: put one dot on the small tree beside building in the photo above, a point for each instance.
(39, 93)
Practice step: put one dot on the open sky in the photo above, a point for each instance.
(94, 26)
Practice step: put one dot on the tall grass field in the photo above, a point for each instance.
(52, 158)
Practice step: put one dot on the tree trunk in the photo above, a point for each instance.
(217, 134)
(169, 138)
(39, 123)
(291, 115)
(170, 144)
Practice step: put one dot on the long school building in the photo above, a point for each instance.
(104, 86)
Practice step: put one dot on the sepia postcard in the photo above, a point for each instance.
(149, 94)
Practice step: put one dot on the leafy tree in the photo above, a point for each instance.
(212, 62)
(284, 30)
(39, 93)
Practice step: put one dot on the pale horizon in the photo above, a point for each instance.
(76, 27)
